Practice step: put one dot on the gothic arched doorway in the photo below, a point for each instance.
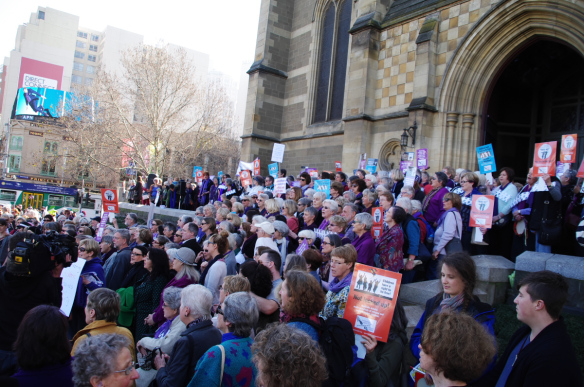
(538, 96)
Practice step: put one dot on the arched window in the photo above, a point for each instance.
(332, 70)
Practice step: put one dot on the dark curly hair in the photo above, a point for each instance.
(259, 276)
(287, 357)
(306, 295)
(460, 347)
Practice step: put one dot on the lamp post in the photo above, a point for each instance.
(409, 132)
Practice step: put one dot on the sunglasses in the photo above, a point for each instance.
(203, 223)
(325, 243)
(446, 200)
(301, 238)
(303, 179)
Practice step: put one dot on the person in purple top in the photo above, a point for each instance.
(205, 189)
(432, 204)
(364, 243)
(214, 190)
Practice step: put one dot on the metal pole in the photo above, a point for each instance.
(5, 167)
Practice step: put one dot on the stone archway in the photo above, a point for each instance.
(389, 155)
(480, 56)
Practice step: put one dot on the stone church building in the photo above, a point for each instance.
(336, 79)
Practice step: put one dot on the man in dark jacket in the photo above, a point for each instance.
(116, 271)
(189, 232)
(541, 352)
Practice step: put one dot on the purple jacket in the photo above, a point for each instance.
(183, 282)
(365, 246)
(213, 193)
(435, 208)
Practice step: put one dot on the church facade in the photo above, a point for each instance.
(334, 80)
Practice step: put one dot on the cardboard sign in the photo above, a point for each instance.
(102, 225)
(273, 168)
(486, 158)
(377, 228)
(278, 153)
(70, 276)
(410, 176)
(313, 172)
(568, 152)
(109, 200)
(245, 178)
(195, 169)
(199, 177)
(481, 211)
(220, 175)
(256, 167)
(371, 165)
(323, 186)
(561, 168)
(544, 158)
(338, 166)
(280, 186)
(581, 170)
(422, 157)
(371, 302)
(404, 165)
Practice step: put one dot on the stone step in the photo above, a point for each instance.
(413, 314)
(418, 293)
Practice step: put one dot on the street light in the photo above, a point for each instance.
(409, 132)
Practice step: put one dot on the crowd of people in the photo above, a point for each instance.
(242, 292)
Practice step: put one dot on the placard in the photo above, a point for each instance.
(371, 165)
(70, 276)
(410, 176)
(256, 167)
(486, 158)
(404, 165)
(338, 166)
(481, 211)
(109, 200)
(195, 169)
(371, 302)
(568, 150)
(581, 170)
(273, 169)
(323, 185)
(245, 178)
(422, 157)
(220, 175)
(313, 172)
(280, 186)
(199, 177)
(561, 168)
(544, 158)
(278, 153)
(377, 228)
(101, 228)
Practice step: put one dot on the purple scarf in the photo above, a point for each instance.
(336, 286)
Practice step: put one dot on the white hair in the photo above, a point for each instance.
(198, 299)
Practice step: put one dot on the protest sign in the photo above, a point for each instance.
(568, 151)
(544, 158)
(371, 165)
(101, 228)
(410, 176)
(323, 186)
(371, 302)
(245, 178)
(273, 168)
(243, 166)
(256, 167)
(313, 172)
(338, 166)
(486, 158)
(581, 170)
(404, 165)
(377, 228)
(70, 276)
(561, 168)
(280, 186)
(199, 177)
(195, 169)
(481, 212)
(278, 153)
(363, 162)
(220, 175)
(422, 156)
(109, 200)
(302, 248)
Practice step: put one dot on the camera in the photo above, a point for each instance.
(36, 254)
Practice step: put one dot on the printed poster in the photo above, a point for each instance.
(199, 177)
(280, 186)
(410, 178)
(323, 186)
(101, 228)
(109, 200)
(313, 172)
(273, 168)
(371, 165)
(568, 151)
(486, 158)
(245, 178)
(404, 165)
(581, 170)
(561, 168)
(377, 228)
(481, 211)
(256, 167)
(371, 300)
(195, 169)
(70, 276)
(338, 166)
(278, 153)
(422, 157)
(544, 158)
(220, 175)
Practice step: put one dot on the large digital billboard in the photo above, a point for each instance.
(34, 73)
(34, 102)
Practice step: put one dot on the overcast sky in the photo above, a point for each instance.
(226, 29)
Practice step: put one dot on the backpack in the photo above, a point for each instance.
(429, 231)
(424, 254)
(336, 339)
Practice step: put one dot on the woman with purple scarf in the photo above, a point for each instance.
(343, 260)
(432, 204)
(449, 228)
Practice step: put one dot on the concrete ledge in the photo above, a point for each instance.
(418, 293)
(493, 268)
(531, 261)
(567, 265)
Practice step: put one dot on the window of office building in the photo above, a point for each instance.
(81, 44)
(41, 15)
(79, 55)
(51, 147)
(82, 34)
(76, 79)
(49, 167)
(92, 47)
(91, 58)
(90, 69)
(77, 66)
(14, 163)
(94, 38)
(88, 81)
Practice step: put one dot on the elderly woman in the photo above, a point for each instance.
(42, 349)
(230, 362)
(370, 182)
(368, 200)
(329, 209)
(209, 211)
(301, 299)
(104, 361)
(281, 232)
(364, 242)
(165, 337)
(160, 241)
(310, 215)
(272, 208)
(261, 202)
(449, 228)
(308, 236)
(289, 210)
(287, 357)
(200, 335)
(329, 243)
(432, 205)
(455, 349)
(221, 215)
(343, 261)
(183, 263)
(101, 314)
(390, 244)
(502, 231)
(317, 200)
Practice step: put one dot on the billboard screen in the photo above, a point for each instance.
(34, 73)
(34, 102)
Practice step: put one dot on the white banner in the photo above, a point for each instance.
(70, 277)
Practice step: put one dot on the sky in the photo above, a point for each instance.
(226, 30)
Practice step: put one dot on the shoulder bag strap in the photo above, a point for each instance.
(456, 222)
(222, 364)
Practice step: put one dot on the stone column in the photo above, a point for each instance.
(468, 149)
(449, 144)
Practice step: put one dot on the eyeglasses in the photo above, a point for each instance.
(245, 200)
(137, 255)
(301, 238)
(82, 249)
(303, 179)
(325, 243)
(336, 263)
(446, 200)
(178, 235)
(463, 181)
(128, 370)
(206, 251)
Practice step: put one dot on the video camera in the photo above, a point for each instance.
(39, 253)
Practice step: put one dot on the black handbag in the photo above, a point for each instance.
(551, 229)
(454, 245)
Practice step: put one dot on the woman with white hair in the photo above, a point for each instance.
(310, 214)
(200, 335)
(285, 246)
(309, 193)
(371, 182)
(306, 235)
(317, 200)
(364, 243)
(368, 200)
